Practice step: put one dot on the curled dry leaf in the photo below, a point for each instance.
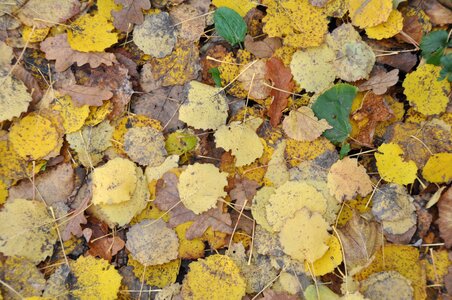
(264, 48)
(86, 95)
(281, 77)
(380, 82)
(445, 217)
(57, 48)
(130, 14)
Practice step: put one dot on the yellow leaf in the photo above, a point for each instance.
(277, 172)
(313, 68)
(27, 230)
(230, 70)
(392, 167)
(189, 249)
(14, 98)
(423, 90)
(305, 236)
(297, 151)
(347, 178)
(104, 8)
(98, 113)
(289, 198)
(386, 285)
(216, 277)
(347, 211)
(329, 261)
(239, 6)
(34, 137)
(200, 186)
(3, 192)
(73, 116)
(400, 258)
(258, 209)
(12, 166)
(438, 168)
(302, 125)
(241, 140)
(158, 275)
(34, 36)
(387, 29)
(145, 146)
(299, 23)
(91, 34)
(437, 265)
(205, 108)
(114, 182)
(95, 279)
(368, 13)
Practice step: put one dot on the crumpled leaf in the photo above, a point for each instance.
(392, 167)
(151, 242)
(131, 13)
(380, 82)
(91, 33)
(254, 80)
(302, 125)
(205, 108)
(156, 36)
(281, 77)
(86, 95)
(229, 25)
(27, 230)
(264, 48)
(88, 270)
(200, 186)
(424, 92)
(363, 14)
(394, 208)
(347, 179)
(57, 48)
(215, 277)
(14, 98)
(360, 239)
(241, 140)
(145, 146)
(445, 217)
(47, 13)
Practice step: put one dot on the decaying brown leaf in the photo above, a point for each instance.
(74, 221)
(130, 14)
(243, 192)
(100, 243)
(253, 79)
(445, 217)
(380, 82)
(281, 77)
(86, 95)
(264, 48)
(57, 48)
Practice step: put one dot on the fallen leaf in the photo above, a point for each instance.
(145, 146)
(302, 125)
(392, 26)
(242, 7)
(264, 48)
(57, 48)
(392, 167)
(100, 243)
(30, 82)
(130, 14)
(360, 240)
(363, 13)
(156, 275)
(281, 77)
(151, 242)
(229, 25)
(243, 192)
(86, 95)
(380, 82)
(74, 221)
(387, 285)
(190, 19)
(47, 13)
(253, 79)
(445, 217)
(437, 169)
(329, 261)
(14, 98)
(438, 13)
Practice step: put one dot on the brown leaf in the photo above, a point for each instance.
(30, 82)
(438, 13)
(86, 95)
(445, 217)
(448, 280)
(218, 52)
(424, 220)
(318, 3)
(131, 13)
(360, 240)
(191, 19)
(380, 82)
(264, 48)
(58, 48)
(42, 14)
(55, 185)
(413, 23)
(403, 61)
(167, 198)
(243, 192)
(373, 109)
(75, 219)
(253, 79)
(281, 77)
(101, 244)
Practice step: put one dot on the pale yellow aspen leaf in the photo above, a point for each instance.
(368, 13)
(88, 270)
(114, 182)
(155, 173)
(27, 230)
(14, 98)
(241, 140)
(392, 167)
(302, 125)
(438, 168)
(304, 236)
(104, 8)
(277, 172)
(347, 179)
(200, 186)
(216, 277)
(91, 34)
(291, 197)
(157, 275)
(387, 29)
(425, 92)
(205, 108)
(387, 285)
(329, 261)
(258, 209)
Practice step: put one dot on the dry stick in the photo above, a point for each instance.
(434, 266)
(269, 284)
(281, 90)
(164, 214)
(11, 289)
(59, 237)
(174, 114)
(248, 98)
(252, 243)
(236, 77)
(194, 18)
(311, 265)
(142, 282)
(373, 192)
(222, 61)
(237, 224)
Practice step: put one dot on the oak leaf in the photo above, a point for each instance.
(130, 14)
(243, 192)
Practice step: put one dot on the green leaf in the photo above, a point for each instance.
(345, 149)
(334, 106)
(446, 64)
(180, 143)
(229, 25)
(215, 72)
(433, 45)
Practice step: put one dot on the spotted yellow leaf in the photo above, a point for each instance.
(438, 168)
(392, 167)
